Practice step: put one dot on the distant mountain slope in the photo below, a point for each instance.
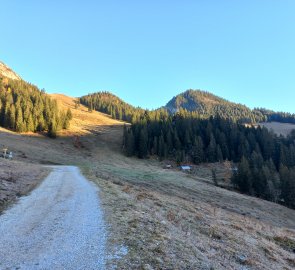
(207, 104)
(83, 121)
(272, 116)
(201, 104)
(109, 103)
(8, 72)
(25, 108)
(278, 128)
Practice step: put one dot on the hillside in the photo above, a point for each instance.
(163, 218)
(207, 104)
(201, 104)
(8, 72)
(26, 108)
(109, 103)
(284, 129)
(83, 122)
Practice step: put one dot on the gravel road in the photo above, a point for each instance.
(58, 226)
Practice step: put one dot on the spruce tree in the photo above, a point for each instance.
(243, 179)
(198, 150)
(12, 117)
(211, 149)
(130, 146)
(52, 131)
(219, 155)
(143, 141)
(19, 127)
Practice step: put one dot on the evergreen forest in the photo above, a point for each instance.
(265, 162)
(24, 108)
(200, 103)
(110, 104)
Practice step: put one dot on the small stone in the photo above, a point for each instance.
(242, 259)
(147, 267)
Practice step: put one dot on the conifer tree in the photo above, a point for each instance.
(211, 149)
(219, 155)
(143, 141)
(243, 178)
(12, 117)
(52, 130)
(198, 151)
(19, 126)
(161, 146)
(30, 124)
(130, 146)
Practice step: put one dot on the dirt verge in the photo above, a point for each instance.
(17, 179)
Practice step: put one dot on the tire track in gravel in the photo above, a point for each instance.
(58, 226)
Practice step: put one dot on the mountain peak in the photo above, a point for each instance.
(193, 100)
(207, 104)
(8, 72)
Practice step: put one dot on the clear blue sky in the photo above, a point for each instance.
(148, 51)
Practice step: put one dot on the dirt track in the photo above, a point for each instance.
(58, 226)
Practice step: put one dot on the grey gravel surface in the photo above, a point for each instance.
(58, 226)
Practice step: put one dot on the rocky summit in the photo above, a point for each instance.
(8, 72)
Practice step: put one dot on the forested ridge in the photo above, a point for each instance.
(207, 104)
(201, 103)
(110, 104)
(23, 108)
(272, 116)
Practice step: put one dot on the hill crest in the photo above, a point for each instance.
(207, 104)
(193, 100)
(6, 71)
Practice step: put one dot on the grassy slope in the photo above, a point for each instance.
(165, 218)
(279, 128)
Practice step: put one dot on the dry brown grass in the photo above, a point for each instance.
(171, 220)
(17, 179)
(279, 128)
(83, 122)
(165, 218)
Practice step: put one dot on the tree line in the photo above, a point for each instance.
(110, 104)
(206, 105)
(272, 116)
(266, 162)
(23, 108)
(200, 103)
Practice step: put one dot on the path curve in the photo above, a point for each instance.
(58, 226)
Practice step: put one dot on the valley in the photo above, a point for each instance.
(147, 135)
(157, 218)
